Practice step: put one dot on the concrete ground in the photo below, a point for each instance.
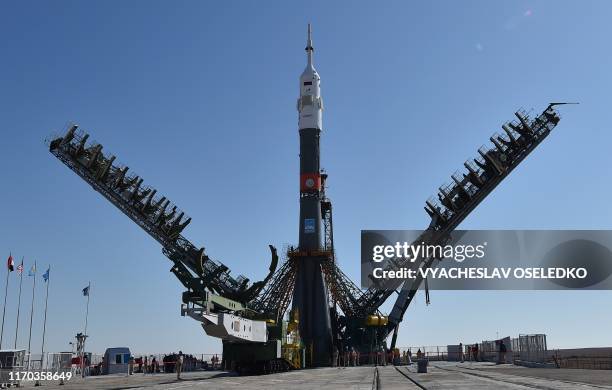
(472, 375)
(357, 378)
(441, 375)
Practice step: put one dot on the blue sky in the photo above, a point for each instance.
(199, 99)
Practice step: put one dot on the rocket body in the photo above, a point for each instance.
(310, 292)
(310, 115)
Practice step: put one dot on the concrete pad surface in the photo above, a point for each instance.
(440, 375)
(451, 375)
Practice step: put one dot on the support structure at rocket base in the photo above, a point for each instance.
(330, 312)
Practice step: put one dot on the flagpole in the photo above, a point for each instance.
(19, 302)
(85, 332)
(87, 310)
(42, 349)
(31, 317)
(8, 272)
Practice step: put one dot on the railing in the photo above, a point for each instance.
(434, 353)
(584, 362)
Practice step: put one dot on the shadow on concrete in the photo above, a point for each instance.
(182, 380)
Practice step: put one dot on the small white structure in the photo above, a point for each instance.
(116, 360)
(11, 361)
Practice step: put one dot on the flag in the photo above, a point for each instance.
(20, 268)
(32, 271)
(10, 264)
(86, 291)
(46, 274)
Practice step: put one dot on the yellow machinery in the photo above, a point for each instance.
(376, 320)
(292, 349)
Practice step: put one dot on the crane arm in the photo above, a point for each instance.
(458, 199)
(155, 214)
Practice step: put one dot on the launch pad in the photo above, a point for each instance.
(330, 314)
(442, 376)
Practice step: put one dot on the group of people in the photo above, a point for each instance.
(174, 362)
(407, 357)
(214, 361)
(348, 357)
(351, 357)
(391, 356)
(147, 364)
(179, 362)
(473, 352)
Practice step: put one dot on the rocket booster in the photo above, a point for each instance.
(310, 295)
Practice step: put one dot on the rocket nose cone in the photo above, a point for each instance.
(309, 73)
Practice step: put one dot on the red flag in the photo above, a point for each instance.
(10, 264)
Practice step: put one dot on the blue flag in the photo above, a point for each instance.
(86, 291)
(46, 274)
(32, 271)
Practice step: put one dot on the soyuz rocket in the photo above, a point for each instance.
(310, 295)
